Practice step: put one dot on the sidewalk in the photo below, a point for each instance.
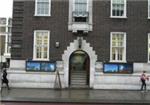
(75, 96)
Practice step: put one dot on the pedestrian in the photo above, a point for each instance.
(4, 79)
(143, 79)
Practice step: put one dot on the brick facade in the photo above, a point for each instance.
(136, 26)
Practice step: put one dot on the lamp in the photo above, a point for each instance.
(57, 44)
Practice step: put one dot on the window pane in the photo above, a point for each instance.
(2, 29)
(80, 7)
(2, 44)
(120, 53)
(118, 7)
(113, 54)
(38, 52)
(45, 52)
(43, 7)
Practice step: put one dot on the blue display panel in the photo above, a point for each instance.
(35, 66)
(48, 66)
(118, 68)
(40, 66)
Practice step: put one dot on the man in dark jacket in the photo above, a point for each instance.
(4, 79)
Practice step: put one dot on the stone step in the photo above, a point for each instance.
(79, 86)
(78, 81)
(78, 76)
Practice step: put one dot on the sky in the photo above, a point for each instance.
(6, 8)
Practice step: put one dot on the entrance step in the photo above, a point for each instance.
(78, 79)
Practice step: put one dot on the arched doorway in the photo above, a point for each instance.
(79, 65)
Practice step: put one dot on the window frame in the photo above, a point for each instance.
(34, 44)
(148, 48)
(125, 10)
(124, 44)
(36, 14)
(148, 9)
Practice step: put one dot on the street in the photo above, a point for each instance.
(30, 103)
(24, 96)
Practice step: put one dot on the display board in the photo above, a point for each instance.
(45, 66)
(118, 68)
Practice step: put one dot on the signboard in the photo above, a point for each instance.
(124, 68)
(40, 66)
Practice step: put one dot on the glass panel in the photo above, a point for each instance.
(120, 53)
(2, 29)
(38, 52)
(113, 54)
(2, 45)
(45, 52)
(3, 21)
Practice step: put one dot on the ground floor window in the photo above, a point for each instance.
(118, 47)
(41, 45)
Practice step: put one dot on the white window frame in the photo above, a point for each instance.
(148, 9)
(36, 14)
(148, 47)
(125, 10)
(34, 44)
(124, 56)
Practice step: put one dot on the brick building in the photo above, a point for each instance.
(99, 44)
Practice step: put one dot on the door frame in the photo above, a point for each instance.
(86, 65)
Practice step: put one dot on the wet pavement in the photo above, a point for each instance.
(75, 96)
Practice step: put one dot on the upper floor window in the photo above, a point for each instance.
(42, 7)
(41, 45)
(2, 29)
(118, 8)
(3, 21)
(149, 9)
(118, 47)
(80, 10)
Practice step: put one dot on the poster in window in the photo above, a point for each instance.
(33, 66)
(48, 66)
(122, 68)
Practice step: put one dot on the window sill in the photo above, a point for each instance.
(42, 15)
(119, 17)
(117, 61)
(40, 59)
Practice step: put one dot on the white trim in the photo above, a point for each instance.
(88, 24)
(35, 14)
(148, 9)
(124, 55)
(148, 45)
(70, 49)
(48, 44)
(125, 10)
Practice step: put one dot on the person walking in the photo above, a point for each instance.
(4, 79)
(143, 79)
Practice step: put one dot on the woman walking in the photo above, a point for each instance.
(144, 77)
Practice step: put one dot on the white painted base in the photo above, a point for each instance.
(125, 82)
(19, 77)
